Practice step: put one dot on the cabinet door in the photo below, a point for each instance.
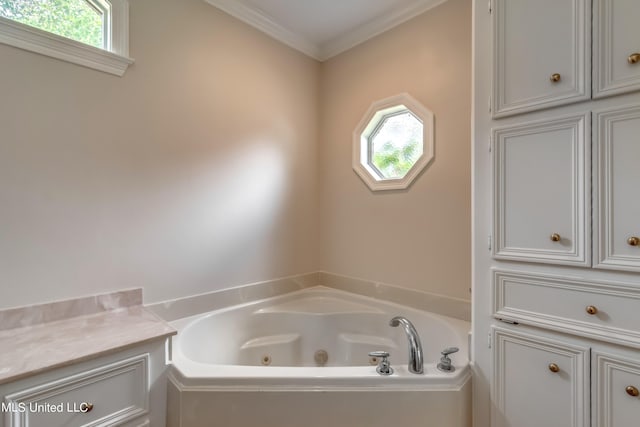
(541, 54)
(538, 382)
(616, 47)
(109, 395)
(615, 388)
(541, 188)
(617, 180)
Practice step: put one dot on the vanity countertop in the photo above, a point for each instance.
(28, 350)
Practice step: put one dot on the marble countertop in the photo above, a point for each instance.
(29, 350)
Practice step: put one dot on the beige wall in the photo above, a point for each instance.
(223, 157)
(193, 172)
(419, 238)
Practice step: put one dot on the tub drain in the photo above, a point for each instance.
(265, 360)
(321, 357)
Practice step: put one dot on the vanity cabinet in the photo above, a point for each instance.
(106, 395)
(541, 54)
(616, 188)
(123, 389)
(539, 382)
(616, 47)
(541, 187)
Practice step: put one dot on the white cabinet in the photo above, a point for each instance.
(543, 179)
(589, 308)
(616, 183)
(105, 396)
(541, 54)
(561, 185)
(539, 382)
(615, 389)
(606, 312)
(616, 47)
(541, 187)
(543, 379)
(126, 389)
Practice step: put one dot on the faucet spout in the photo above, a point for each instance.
(415, 347)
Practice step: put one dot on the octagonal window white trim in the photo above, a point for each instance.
(377, 113)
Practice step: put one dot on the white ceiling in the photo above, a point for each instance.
(324, 28)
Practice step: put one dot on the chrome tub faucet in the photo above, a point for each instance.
(415, 347)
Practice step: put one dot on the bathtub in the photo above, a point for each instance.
(302, 359)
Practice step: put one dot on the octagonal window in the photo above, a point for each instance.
(396, 145)
(393, 143)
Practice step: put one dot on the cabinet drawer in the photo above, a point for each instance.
(596, 310)
(616, 47)
(528, 369)
(615, 385)
(616, 182)
(541, 54)
(117, 393)
(542, 202)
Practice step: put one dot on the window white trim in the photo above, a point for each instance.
(120, 27)
(374, 115)
(113, 61)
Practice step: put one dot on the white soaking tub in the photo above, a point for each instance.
(302, 360)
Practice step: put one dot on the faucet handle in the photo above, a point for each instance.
(445, 362)
(447, 351)
(384, 367)
(383, 354)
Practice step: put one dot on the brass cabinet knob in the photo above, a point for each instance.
(633, 241)
(632, 391)
(592, 310)
(554, 368)
(555, 237)
(634, 58)
(86, 407)
(555, 78)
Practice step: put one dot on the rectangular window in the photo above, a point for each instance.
(81, 20)
(69, 30)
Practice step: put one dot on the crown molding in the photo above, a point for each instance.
(321, 52)
(261, 21)
(376, 27)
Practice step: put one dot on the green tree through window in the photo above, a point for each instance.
(75, 19)
(396, 145)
